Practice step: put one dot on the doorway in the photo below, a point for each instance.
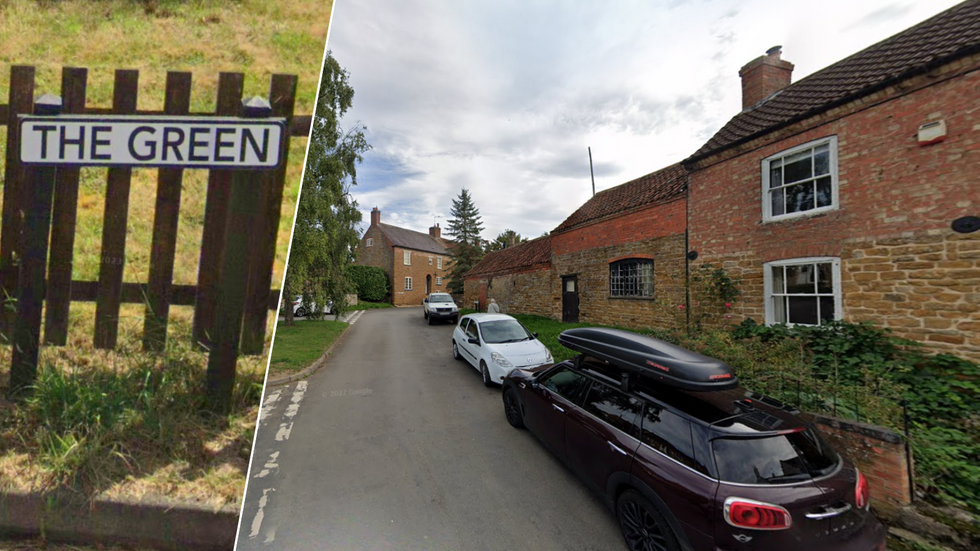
(569, 299)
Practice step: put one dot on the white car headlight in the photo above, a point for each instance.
(500, 360)
(547, 356)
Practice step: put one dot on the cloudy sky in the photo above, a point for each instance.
(504, 97)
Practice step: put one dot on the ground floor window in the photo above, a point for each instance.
(803, 291)
(438, 281)
(632, 277)
(408, 284)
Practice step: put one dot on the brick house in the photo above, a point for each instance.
(851, 194)
(835, 197)
(416, 263)
(608, 262)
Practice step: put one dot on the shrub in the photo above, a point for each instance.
(371, 282)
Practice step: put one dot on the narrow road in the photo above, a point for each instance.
(394, 445)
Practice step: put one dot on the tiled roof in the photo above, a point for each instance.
(523, 255)
(951, 34)
(409, 239)
(658, 186)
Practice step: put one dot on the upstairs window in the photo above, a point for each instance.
(632, 277)
(800, 181)
(370, 242)
(804, 291)
(430, 261)
(407, 257)
(439, 262)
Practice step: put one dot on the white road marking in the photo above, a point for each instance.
(269, 405)
(355, 317)
(269, 465)
(260, 514)
(284, 430)
(298, 394)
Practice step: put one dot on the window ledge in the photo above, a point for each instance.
(610, 297)
(801, 215)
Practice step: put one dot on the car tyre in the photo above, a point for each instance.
(425, 314)
(486, 374)
(456, 321)
(643, 525)
(456, 355)
(431, 320)
(512, 409)
(300, 312)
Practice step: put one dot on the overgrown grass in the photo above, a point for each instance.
(299, 345)
(127, 423)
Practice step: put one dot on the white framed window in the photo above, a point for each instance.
(430, 261)
(632, 277)
(408, 284)
(800, 181)
(370, 242)
(439, 262)
(438, 281)
(407, 257)
(802, 291)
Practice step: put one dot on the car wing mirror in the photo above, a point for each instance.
(473, 340)
(535, 335)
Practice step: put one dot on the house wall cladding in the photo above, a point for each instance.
(902, 266)
(527, 292)
(418, 269)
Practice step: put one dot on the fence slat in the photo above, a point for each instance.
(262, 242)
(169, 182)
(113, 258)
(73, 84)
(230, 87)
(21, 102)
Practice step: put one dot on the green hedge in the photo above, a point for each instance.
(371, 282)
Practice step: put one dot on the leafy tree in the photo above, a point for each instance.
(507, 238)
(464, 227)
(325, 234)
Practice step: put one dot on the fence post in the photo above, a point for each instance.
(30, 296)
(167, 214)
(73, 82)
(114, 224)
(263, 241)
(14, 192)
(242, 215)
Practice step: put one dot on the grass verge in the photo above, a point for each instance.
(299, 345)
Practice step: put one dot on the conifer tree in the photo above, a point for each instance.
(464, 227)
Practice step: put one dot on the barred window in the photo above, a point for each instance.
(632, 277)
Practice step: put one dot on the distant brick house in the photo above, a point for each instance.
(608, 262)
(846, 195)
(416, 263)
(834, 197)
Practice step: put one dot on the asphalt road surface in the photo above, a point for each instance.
(392, 444)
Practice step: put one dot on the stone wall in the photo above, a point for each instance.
(526, 292)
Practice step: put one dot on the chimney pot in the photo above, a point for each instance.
(435, 232)
(375, 216)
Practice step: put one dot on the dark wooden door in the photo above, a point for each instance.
(569, 299)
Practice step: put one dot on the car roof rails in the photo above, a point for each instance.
(651, 358)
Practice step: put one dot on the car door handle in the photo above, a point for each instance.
(557, 408)
(828, 512)
(616, 448)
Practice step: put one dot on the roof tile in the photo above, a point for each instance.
(511, 259)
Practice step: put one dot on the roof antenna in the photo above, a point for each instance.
(591, 171)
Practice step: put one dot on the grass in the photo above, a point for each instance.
(548, 330)
(125, 422)
(363, 305)
(299, 345)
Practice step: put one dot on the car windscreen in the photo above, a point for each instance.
(440, 298)
(774, 459)
(504, 331)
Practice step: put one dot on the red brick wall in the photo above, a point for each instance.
(649, 223)
(877, 452)
(379, 254)
(902, 266)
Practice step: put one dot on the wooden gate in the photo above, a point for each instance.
(33, 276)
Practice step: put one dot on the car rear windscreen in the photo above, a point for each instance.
(774, 459)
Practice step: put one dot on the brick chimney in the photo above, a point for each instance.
(764, 76)
(435, 231)
(375, 216)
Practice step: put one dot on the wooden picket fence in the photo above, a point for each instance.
(54, 285)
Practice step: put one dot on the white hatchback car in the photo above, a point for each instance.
(497, 343)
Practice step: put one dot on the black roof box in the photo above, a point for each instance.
(652, 358)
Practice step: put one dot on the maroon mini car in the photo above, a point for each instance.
(716, 468)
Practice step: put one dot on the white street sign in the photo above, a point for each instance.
(120, 140)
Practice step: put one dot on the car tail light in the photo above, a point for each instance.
(862, 493)
(746, 513)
